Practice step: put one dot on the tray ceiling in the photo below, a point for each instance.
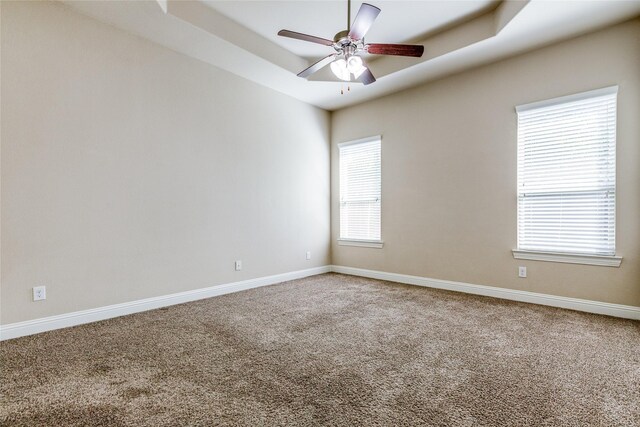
(240, 36)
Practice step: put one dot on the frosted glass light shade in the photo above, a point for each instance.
(339, 68)
(354, 64)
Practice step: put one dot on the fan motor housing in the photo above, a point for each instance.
(342, 37)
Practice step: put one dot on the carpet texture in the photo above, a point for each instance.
(330, 350)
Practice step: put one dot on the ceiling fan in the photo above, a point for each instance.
(349, 44)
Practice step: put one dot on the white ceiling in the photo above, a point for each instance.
(399, 21)
(240, 36)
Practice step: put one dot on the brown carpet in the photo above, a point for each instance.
(330, 350)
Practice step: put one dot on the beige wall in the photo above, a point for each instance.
(130, 171)
(449, 169)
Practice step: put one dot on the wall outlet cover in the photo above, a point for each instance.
(522, 271)
(39, 293)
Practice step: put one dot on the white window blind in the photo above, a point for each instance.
(567, 174)
(360, 190)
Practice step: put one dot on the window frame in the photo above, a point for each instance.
(566, 257)
(366, 243)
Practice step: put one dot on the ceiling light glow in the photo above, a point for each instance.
(354, 64)
(343, 68)
(339, 68)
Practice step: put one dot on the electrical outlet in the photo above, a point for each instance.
(308, 254)
(238, 265)
(522, 271)
(39, 293)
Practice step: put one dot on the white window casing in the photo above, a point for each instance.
(567, 179)
(360, 192)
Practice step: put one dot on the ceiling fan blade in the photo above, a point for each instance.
(365, 17)
(367, 76)
(305, 37)
(317, 66)
(396, 49)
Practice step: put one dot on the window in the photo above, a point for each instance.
(360, 191)
(567, 177)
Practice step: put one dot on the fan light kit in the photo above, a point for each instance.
(344, 68)
(349, 45)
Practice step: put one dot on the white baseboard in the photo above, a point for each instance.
(616, 310)
(29, 327)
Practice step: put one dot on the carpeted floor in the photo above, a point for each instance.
(330, 350)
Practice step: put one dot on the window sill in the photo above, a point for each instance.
(361, 243)
(606, 261)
